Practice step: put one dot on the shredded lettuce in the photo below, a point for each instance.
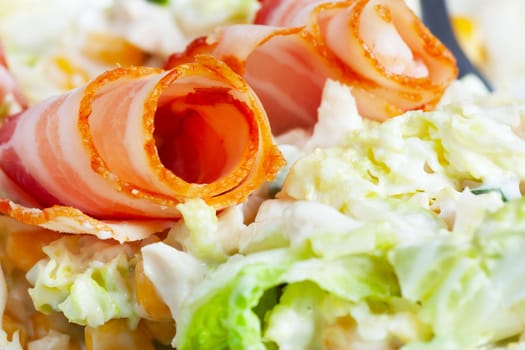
(303, 309)
(410, 235)
(345, 262)
(86, 279)
(219, 314)
(471, 293)
(200, 17)
(202, 226)
(203, 235)
(396, 277)
(427, 158)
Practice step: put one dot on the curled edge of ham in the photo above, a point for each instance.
(414, 75)
(142, 192)
(70, 220)
(339, 40)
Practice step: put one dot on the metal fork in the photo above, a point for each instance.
(436, 18)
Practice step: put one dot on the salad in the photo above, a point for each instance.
(396, 232)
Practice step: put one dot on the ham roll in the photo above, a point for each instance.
(116, 156)
(378, 47)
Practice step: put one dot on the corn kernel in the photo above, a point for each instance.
(116, 335)
(112, 50)
(24, 248)
(45, 323)
(68, 74)
(161, 331)
(467, 32)
(148, 300)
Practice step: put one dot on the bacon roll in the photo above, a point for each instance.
(116, 156)
(379, 47)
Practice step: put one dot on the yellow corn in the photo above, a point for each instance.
(340, 334)
(24, 249)
(44, 323)
(148, 300)
(116, 335)
(467, 32)
(161, 331)
(69, 75)
(10, 326)
(112, 50)
(54, 340)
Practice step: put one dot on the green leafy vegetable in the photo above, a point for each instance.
(86, 279)
(159, 2)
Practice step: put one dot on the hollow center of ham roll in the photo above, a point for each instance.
(116, 157)
(194, 138)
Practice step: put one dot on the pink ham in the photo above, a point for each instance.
(116, 156)
(379, 47)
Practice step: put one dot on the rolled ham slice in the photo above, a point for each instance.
(378, 47)
(115, 157)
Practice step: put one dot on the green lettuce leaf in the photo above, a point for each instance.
(201, 227)
(470, 293)
(300, 243)
(230, 309)
(303, 312)
(421, 157)
(88, 280)
(399, 278)
(352, 277)
(220, 313)
(455, 294)
(371, 226)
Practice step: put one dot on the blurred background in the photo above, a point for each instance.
(492, 33)
(55, 45)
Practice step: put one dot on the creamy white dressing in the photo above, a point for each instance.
(174, 273)
(336, 116)
(205, 236)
